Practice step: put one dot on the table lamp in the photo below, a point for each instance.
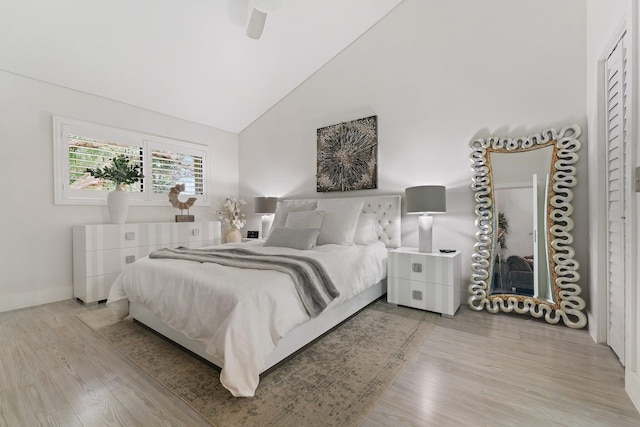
(265, 206)
(426, 200)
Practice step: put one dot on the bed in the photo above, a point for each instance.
(246, 320)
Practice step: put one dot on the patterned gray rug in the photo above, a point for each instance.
(336, 380)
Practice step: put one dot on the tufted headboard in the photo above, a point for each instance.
(387, 210)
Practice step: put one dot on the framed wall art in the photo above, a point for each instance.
(348, 156)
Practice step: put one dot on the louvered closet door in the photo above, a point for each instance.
(616, 193)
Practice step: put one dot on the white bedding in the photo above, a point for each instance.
(240, 314)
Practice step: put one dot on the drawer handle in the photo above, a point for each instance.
(130, 235)
(416, 267)
(130, 259)
(417, 295)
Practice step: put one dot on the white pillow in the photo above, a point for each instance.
(284, 207)
(304, 219)
(368, 229)
(339, 222)
(295, 238)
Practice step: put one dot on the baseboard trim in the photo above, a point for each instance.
(38, 297)
(632, 386)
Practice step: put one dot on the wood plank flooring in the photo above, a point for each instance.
(476, 369)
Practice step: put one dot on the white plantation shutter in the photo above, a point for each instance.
(171, 164)
(171, 168)
(616, 139)
(165, 162)
(85, 152)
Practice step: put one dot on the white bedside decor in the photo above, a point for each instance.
(426, 200)
(233, 218)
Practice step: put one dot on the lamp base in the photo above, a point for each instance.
(425, 233)
(266, 225)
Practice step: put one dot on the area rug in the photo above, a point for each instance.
(336, 380)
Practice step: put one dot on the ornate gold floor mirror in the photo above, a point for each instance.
(523, 260)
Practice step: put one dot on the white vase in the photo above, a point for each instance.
(233, 236)
(118, 205)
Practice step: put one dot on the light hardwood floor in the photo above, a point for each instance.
(476, 369)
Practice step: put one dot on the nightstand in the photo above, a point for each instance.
(428, 281)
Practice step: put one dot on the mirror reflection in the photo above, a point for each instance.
(520, 244)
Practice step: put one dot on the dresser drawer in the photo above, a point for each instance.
(101, 237)
(93, 289)
(113, 260)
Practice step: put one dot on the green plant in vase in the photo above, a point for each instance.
(121, 172)
(503, 230)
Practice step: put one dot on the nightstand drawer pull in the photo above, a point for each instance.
(416, 267)
(416, 295)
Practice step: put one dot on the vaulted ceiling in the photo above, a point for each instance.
(189, 59)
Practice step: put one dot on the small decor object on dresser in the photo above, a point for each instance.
(347, 156)
(176, 203)
(232, 217)
(121, 172)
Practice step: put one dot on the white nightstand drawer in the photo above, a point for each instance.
(421, 267)
(425, 296)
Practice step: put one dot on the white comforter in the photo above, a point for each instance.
(240, 314)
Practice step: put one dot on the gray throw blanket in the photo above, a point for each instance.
(314, 286)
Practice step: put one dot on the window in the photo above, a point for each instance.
(92, 153)
(165, 163)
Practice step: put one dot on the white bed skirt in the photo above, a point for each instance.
(289, 344)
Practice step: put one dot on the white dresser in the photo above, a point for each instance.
(101, 251)
(428, 281)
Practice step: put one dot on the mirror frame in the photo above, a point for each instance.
(567, 305)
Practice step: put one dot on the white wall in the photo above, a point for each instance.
(35, 254)
(437, 74)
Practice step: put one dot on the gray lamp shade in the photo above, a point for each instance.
(265, 205)
(426, 199)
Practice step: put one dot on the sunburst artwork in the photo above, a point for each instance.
(347, 156)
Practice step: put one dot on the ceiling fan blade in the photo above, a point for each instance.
(256, 24)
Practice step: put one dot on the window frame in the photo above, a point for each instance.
(64, 195)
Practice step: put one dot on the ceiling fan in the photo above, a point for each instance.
(258, 17)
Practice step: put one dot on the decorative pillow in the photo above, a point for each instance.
(295, 238)
(304, 219)
(368, 229)
(285, 206)
(339, 222)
